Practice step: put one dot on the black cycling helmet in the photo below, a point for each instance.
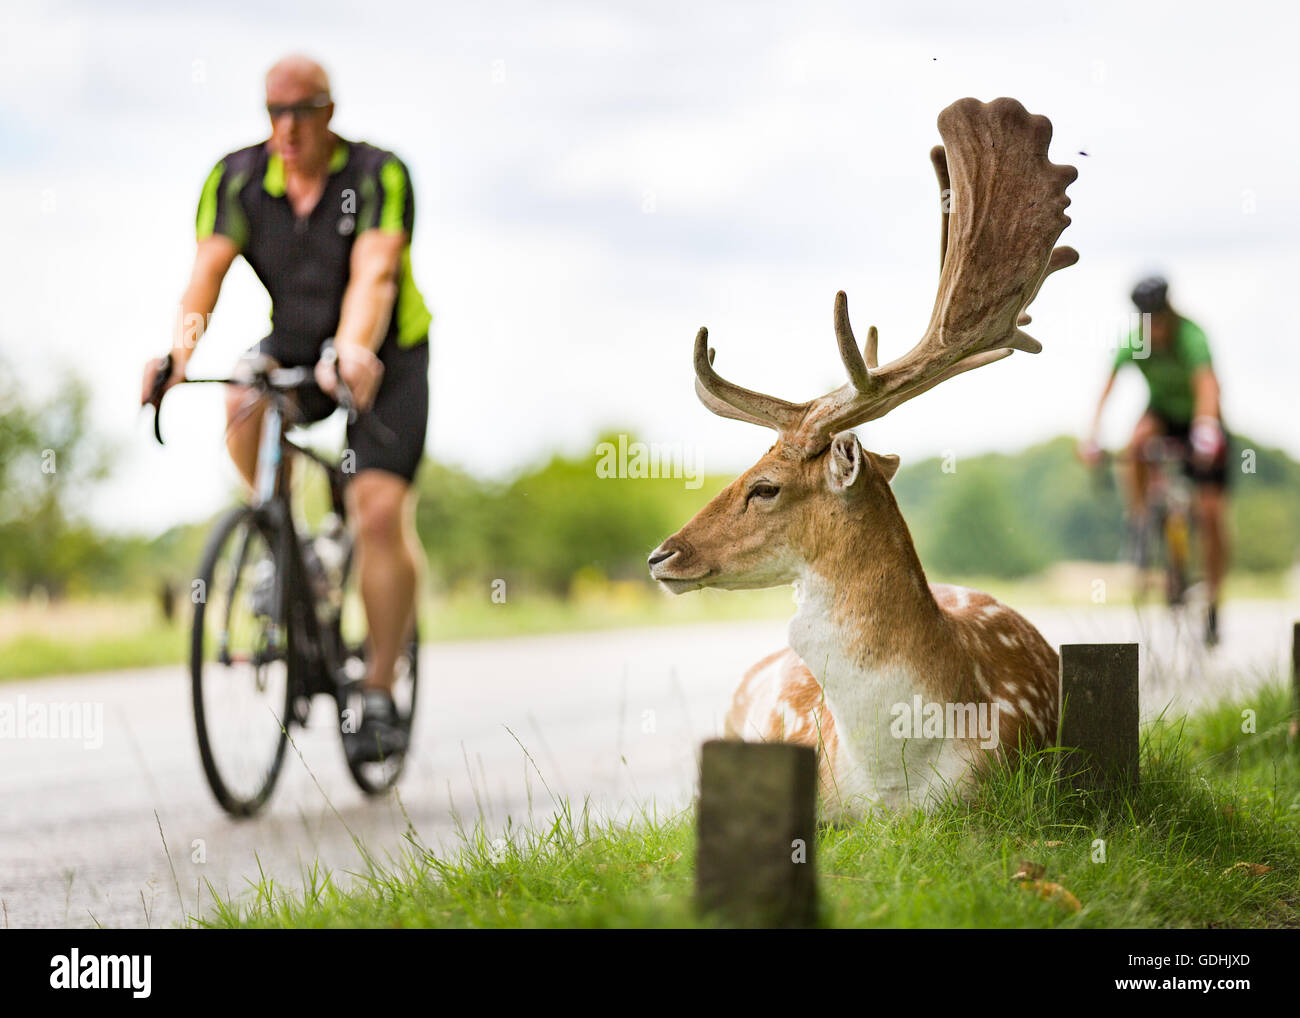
(1151, 295)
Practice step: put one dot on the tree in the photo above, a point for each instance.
(979, 528)
(48, 461)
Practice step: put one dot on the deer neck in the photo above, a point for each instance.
(865, 610)
(874, 637)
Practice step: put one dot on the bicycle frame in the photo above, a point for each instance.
(268, 456)
(1169, 504)
(316, 653)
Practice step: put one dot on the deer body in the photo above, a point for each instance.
(874, 648)
(846, 709)
(871, 635)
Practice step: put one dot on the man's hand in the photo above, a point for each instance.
(151, 370)
(1089, 451)
(1206, 439)
(360, 370)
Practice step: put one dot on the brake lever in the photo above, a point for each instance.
(343, 396)
(156, 395)
(329, 354)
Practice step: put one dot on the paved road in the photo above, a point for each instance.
(614, 716)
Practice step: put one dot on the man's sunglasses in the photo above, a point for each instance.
(298, 110)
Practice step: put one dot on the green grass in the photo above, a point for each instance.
(34, 655)
(102, 635)
(1212, 796)
(1069, 584)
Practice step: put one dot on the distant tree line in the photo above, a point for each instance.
(993, 514)
(1014, 515)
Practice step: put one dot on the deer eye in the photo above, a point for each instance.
(762, 490)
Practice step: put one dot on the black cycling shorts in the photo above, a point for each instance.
(401, 405)
(1214, 474)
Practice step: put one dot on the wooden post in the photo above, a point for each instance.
(756, 832)
(1295, 661)
(1293, 730)
(1099, 721)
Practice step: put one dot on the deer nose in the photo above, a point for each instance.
(661, 554)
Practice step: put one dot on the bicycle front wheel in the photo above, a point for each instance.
(239, 662)
(1177, 557)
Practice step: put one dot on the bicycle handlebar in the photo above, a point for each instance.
(1167, 450)
(276, 380)
(156, 392)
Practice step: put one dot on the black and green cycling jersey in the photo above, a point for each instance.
(1168, 372)
(304, 263)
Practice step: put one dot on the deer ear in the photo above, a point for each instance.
(887, 465)
(844, 463)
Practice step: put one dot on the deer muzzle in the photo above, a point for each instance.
(671, 566)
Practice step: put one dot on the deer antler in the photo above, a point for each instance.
(1002, 215)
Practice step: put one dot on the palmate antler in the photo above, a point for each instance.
(1004, 208)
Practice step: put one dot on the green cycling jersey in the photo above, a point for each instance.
(1168, 372)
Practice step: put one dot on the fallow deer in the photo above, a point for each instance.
(870, 633)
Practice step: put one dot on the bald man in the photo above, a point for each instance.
(326, 225)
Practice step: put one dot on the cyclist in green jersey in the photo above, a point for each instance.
(326, 225)
(1174, 358)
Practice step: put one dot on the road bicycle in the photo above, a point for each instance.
(1161, 539)
(276, 621)
(1164, 535)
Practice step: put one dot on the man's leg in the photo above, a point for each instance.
(389, 559)
(243, 429)
(1210, 504)
(1137, 473)
(244, 413)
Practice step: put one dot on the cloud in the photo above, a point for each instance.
(593, 183)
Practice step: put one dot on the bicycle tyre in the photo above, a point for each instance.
(376, 778)
(373, 777)
(206, 679)
(1176, 564)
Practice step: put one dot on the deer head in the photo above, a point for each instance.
(1004, 208)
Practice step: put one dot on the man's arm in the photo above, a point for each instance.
(212, 260)
(1088, 449)
(1101, 403)
(366, 311)
(1205, 390)
(1206, 434)
(372, 289)
(384, 227)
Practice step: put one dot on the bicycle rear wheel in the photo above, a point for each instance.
(239, 662)
(375, 777)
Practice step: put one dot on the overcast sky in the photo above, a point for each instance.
(594, 181)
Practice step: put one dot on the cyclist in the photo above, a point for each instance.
(326, 225)
(1174, 358)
